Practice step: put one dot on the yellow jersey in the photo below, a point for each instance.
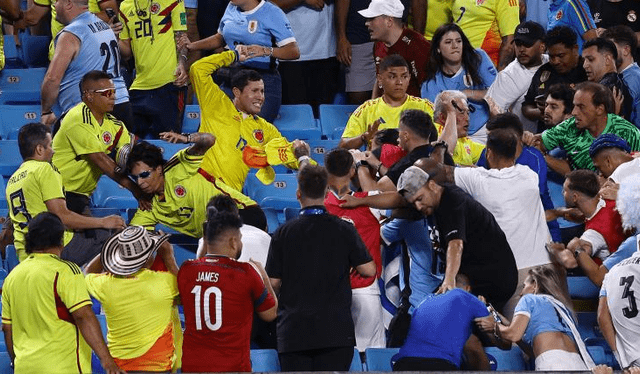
(38, 298)
(233, 131)
(28, 189)
(151, 28)
(138, 308)
(467, 152)
(485, 22)
(187, 191)
(438, 13)
(374, 109)
(81, 134)
(2, 60)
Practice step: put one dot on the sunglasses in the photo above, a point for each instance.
(106, 92)
(143, 175)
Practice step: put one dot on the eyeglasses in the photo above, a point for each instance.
(106, 92)
(143, 175)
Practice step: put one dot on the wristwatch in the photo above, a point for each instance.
(361, 163)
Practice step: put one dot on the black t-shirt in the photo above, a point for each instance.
(357, 32)
(607, 14)
(487, 258)
(396, 170)
(546, 77)
(313, 255)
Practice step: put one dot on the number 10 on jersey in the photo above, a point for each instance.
(203, 309)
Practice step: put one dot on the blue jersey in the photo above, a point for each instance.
(625, 250)
(441, 325)
(574, 14)
(262, 25)
(461, 81)
(98, 51)
(543, 317)
(631, 76)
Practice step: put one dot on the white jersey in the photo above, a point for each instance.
(626, 170)
(621, 286)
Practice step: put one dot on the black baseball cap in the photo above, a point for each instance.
(529, 32)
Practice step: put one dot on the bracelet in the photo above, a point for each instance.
(270, 52)
(496, 331)
(184, 56)
(188, 137)
(441, 143)
(46, 113)
(303, 158)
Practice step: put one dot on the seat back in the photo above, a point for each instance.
(21, 86)
(319, 148)
(168, 149)
(333, 119)
(356, 362)
(506, 360)
(35, 50)
(109, 194)
(297, 122)
(13, 117)
(379, 359)
(264, 360)
(191, 120)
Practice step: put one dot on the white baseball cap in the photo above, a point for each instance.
(391, 8)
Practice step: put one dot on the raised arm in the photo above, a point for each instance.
(202, 141)
(108, 167)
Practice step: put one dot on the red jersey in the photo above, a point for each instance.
(608, 223)
(219, 295)
(415, 49)
(367, 226)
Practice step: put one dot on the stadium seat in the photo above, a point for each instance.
(582, 288)
(555, 191)
(191, 120)
(319, 148)
(168, 149)
(21, 86)
(109, 194)
(379, 359)
(597, 354)
(506, 360)
(278, 195)
(3, 275)
(297, 122)
(12, 56)
(610, 359)
(333, 119)
(35, 50)
(182, 254)
(3, 197)
(588, 325)
(291, 213)
(274, 218)
(264, 360)
(356, 362)
(11, 258)
(13, 117)
(10, 158)
(5, 363)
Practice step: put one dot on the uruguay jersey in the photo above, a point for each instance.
(187, 191)
(98, 51)
(219, 295)
(262, 25)
(486, 22)
(151, 31)
(233, 131)
(574, 14)
(28, 189)
(80, 134)
(621, 288)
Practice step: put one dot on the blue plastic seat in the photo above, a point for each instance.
(35, 50)
(278, 195)
(168, 149)
(21, 86)
(333, 119)
(587, 325)
(379, 359)
(13, 117)
(506, 360)
(598, 354)
(191, 120)
(5, 363)
(264, 360)
(109, 194)
(356, 362)
(12, 55)
(582, 288)
(297, 122)
(11, 258)
(10, 158)
(319, 148)
(182, 254)
(291, 213)
(3, 198)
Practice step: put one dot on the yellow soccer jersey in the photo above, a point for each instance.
(374, 109)
(151, 25)
(135, 321)
(186, 195)
(79, 135)
(34, 183)
(485, 22)
(1, 48)
(38, 298)
(438, 13)
(220, 117)
(467, 152)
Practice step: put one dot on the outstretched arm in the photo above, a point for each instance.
(202, 141)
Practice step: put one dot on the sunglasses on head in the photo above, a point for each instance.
(143, 175)
(106, 92)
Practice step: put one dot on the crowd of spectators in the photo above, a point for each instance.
(467, 111)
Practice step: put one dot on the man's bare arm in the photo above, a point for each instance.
(202, 141)
(419, 12)
(67, 47)
(506, 53)
(385, 200)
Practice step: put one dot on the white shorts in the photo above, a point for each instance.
(366, 311)
(557, 359)
(361, 75)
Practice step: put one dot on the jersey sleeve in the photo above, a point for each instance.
(94, 285)
(72, 289)
(487, 70)
(50, 184)
(508, 16)
(501, 90)
(477, 308)
(270, 131)
(625, 250)
(179, 17)
(391, 231)
(144, 218)
(580, 16)
(466, 178)
(186, 165)
(356, 125)
(605, 282)
(262, 298)
(525, 306)
(452, 224)
(6, 306)
(280, 27)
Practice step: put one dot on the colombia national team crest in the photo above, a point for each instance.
(107, 137)
(258, 135)
(253, 26)
(479, 2)
(154, 8)
(180, 191)
(559, 15)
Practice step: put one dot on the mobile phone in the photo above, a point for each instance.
(112, 15)
(539, 99)
(491, 309)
